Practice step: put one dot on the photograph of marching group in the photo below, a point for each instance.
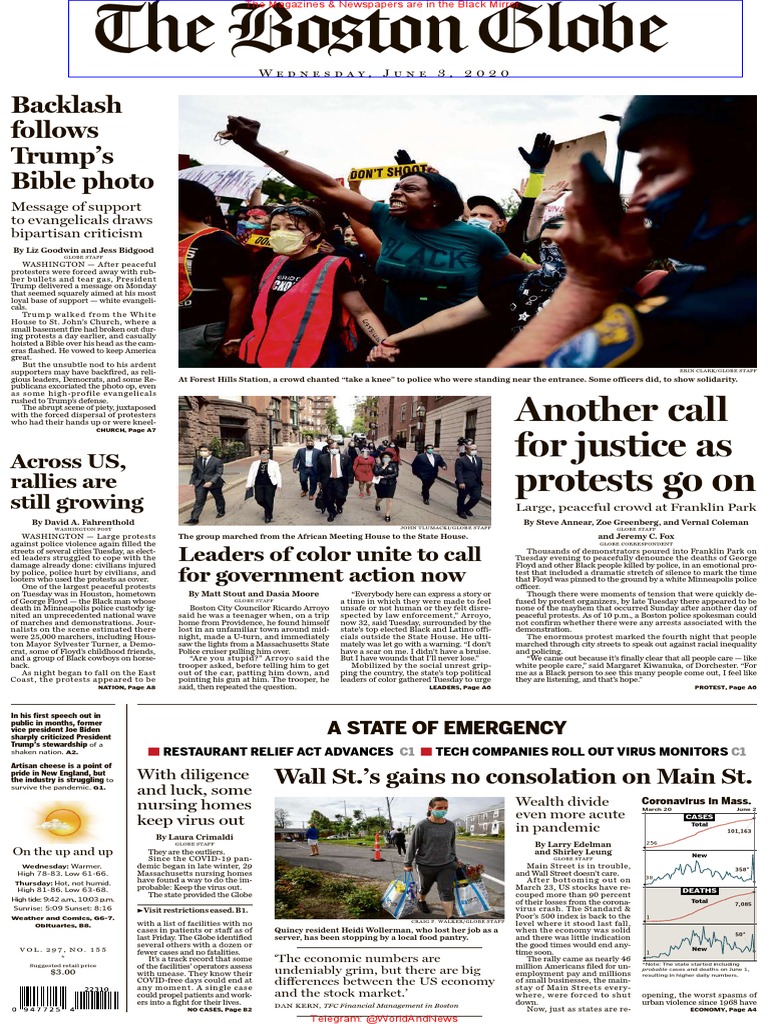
(554, 231)
(410, 460)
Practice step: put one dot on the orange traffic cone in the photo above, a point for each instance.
(376, 849)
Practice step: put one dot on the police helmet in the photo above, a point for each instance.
(736, 114)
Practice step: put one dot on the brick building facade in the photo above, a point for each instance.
(242, 425)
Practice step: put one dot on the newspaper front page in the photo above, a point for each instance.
(418, 687)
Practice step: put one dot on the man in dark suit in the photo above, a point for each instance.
(305, 464)
(334, 474)
(469, 481)
(207, 478)
(426, 466)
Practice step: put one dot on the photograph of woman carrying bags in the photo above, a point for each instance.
(432, 848)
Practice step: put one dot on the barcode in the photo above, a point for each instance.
(42, 995)
(97, 999)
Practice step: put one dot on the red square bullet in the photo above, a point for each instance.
(426, 751)
(154, 751)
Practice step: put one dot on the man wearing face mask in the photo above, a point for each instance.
(426, 466)
(207, 478)
(305, 464)
(306, 301)
(687, 206)
(486, 213)
(468, 471)
(264, 480)
(334, 474)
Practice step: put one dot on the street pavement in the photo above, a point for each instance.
(293, 510)
(490, 853)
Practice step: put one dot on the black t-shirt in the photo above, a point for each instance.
(210, 259)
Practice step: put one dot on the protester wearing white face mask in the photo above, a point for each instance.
(385, 481)
(485, 212)
(306, 301)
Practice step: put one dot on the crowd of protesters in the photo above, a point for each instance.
(573, 279)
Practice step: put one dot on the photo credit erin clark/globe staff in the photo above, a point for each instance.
(467, 733)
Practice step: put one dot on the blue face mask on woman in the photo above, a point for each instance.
(439, 814)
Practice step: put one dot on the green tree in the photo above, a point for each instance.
(321, 823)
(375, 823)
(275, 188)
(344, 824)
(332, 420)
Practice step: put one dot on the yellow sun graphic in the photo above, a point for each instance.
(63, 822)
